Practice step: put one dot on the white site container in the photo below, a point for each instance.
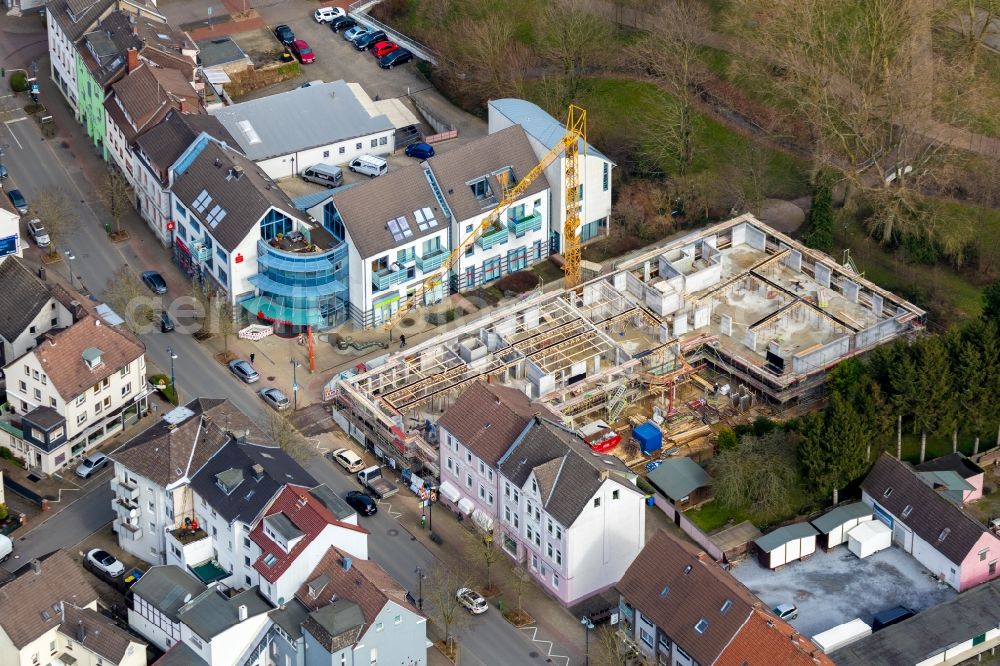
(869, 537)
(841, 635)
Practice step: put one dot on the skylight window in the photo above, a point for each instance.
(249, 131)
(399, 228)
(888, 491)
(944, 534)
(481, 188)
(726, 605)
(215, 215)
(201, 203)
(665, 591)
(907, 510)
(270, 559)
(425, 218)
(702, 626)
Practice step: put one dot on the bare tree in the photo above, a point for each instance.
(608, 647)
(127, 295)
(520, 579)
(439, 592)
(225, 319)
(54, 209)
(483, 548)
(116, 195)
(482, 59)
(573, 40)
(287, 436)
(973, 21)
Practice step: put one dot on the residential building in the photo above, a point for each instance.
(349, 611)
(103, 55)
(545, 133)
(291, 131)
(942, 473)
(156, 151)
(474, 179)
(928, 521)
(29, 308)
(679, 607)
(957, 631)
(222, 629)
(153, 472)
(88, 638)
(138, 102)
(157, 598)
(66, 22)
(396, 231)
(81, 385)
(10, 230)
(236, 228)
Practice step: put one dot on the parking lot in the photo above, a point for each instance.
(835, 587)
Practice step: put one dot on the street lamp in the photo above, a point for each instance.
(420, 587)
(71, 257)
(588, 625)
(295, 386)
(173, 356)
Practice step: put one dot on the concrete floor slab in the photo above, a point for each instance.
(836, 587)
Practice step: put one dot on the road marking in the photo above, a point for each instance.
(388, 508)
(534, 633)
(20, 147)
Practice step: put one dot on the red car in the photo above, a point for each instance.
(302, 51)
(384, 48)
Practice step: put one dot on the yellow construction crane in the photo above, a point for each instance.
(569, 147)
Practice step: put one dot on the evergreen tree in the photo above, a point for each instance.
(819, 222)
(834, 447)
(902, 375)
(934, 399)
(991, 302)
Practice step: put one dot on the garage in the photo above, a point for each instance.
(786, 544)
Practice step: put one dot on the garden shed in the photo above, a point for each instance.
(786, 544)
(869, 537)
(834, 525)
(682, 481)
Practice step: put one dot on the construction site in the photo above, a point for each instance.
(725, 323)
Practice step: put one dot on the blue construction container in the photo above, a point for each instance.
(649, 437)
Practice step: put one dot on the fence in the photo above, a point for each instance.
(678, 518)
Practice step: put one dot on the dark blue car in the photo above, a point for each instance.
(420, 150)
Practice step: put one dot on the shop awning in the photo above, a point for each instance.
(465, 505)
(449, 491)
(483, 520)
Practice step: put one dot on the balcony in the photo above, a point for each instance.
(386, 277)
(432, 261)
(125, 509)
(525, 224)
(493, 237)
(127, 490)
(127, 531)
(187, 535)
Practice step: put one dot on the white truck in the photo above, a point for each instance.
(372, 479)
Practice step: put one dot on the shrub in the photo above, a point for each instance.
(6, 453)
(645, 486)
(728, 439)
(4, 513)
(19, 82)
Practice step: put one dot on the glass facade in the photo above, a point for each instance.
(275, 223)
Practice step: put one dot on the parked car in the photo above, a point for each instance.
(327, 14)
(38, 233)
(400, 56)
(284, 34)
(384, 48)
(6, 547)
(342, 23)
(276, 398)
(472, 601)
(353, 33)
(166, 323)
(891, 616)
(91, 464)
(369, 39)
(106, 562)
(17, 199)
(243, 370)
(419, 150)
(361, 503)
(302, 51)
(786, 612)
(3, 171)
(349, 460)
(155, 282)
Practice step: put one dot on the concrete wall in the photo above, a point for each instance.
(678, 518)
(875, 333)
(813, 360)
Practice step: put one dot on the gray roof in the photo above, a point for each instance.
(928, 633)
(45, 417)
(679, 477)
(283, 527)
(250, 497)
(298, 119)
(543, 127)
(840, 515)
(96, 633)
(484, 157)
(290, 617)
(367, 209)
(75, 17)
(22, 296)
(181, 654)
(110, 40)
(212, 612)
(336, 625)
(219, 51)
(167, 588)
(934, 517)
(333, 503)
(163, 143)
(568, 472)
(783, 535)
(245, 199)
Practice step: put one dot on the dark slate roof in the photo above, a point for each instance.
(931, 512)
(181, 655)
(22, 296)
(484, 157)
(929, 632)
(487, 418)
(245, 199)
(163, 143)
(953, 462)
(333, 503)
(840, 515)
(212, 612)
(676, 586)
(45, 417)
(75, 17)
(167, 588)
(111, 39)
(290, 617)
(573, 480)
(679, 477)
(253, 494)
(219, 51)
(336, 625)
(96, 633)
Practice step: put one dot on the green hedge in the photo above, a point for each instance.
(19, 82)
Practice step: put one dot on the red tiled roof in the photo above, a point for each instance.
(767, 641)
(307, 514)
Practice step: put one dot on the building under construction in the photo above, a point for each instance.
(762, 316)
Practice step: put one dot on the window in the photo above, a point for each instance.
(665, 591)
(341, 150)
(983, 553)
(558, 532)
(468, 457)
(548, 526)
(378, 626)
(645, 637)
(398, 619)
(489, 473)
(701, 626)
(52, 402)
(38, 394)
(81, 418)
(529, 532)
(45, 380)
(597, 502)
(907, 509)
(482, 492)
(888, 491)
(451, 464)
(558, 557)
(555, 580)
(27, 371)
(98, 408)
(506, 489)
(480, 188)
(383, 140)
(549, 552)
(993, 567)
(944, 534)
(516, 521)
(326, 153)
(607, 174)
(538, 539)
(614, 494)
(357, 146)
(80, 398)
(374, 655)
(534, 562)
(534, 489)
(468, 480)
(489, 498)
(23, 386)
(506, 515)
(374, 143)
(726, 605)
(223, 277)
(517, 497)
(34, 373)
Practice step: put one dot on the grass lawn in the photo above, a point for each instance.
(940, 446)
(712, 515)
(980, 113)
(547, 271)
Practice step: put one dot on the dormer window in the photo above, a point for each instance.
(229, 480)
(270, 559)
(282, 531)
(92, 357)
(481, 188)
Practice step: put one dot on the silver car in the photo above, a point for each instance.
(352, 33)
(91, 464)
(243, 370)
(275, 397)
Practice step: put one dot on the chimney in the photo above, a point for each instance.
(182, 105)
(218, 162)
(81, 632)
(243, 612)
(603, 474)
(51, 338)
(133, 59)
(36, 567)
(257, 471)
(346, 562)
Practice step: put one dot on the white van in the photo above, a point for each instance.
(324, 174)
(6, 547)
(327, 14)
(369, 165)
